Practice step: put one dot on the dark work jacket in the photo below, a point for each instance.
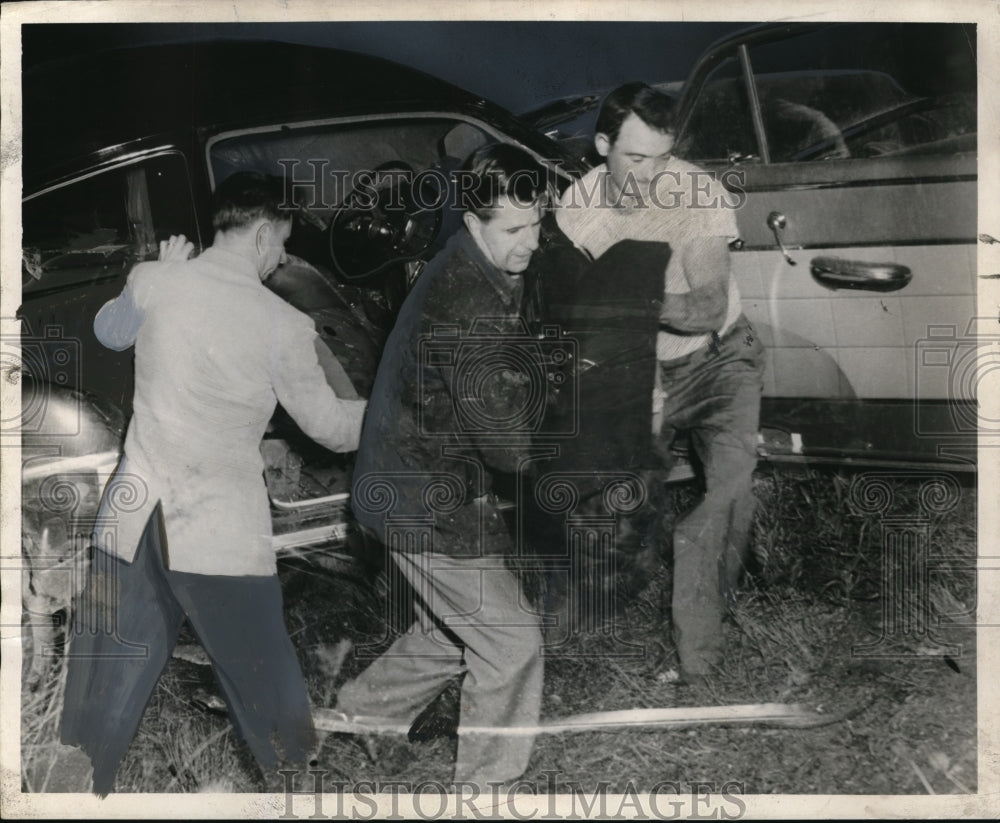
(443, 412)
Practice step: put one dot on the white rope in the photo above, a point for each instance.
(777, 714)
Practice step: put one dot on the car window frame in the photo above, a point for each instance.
(729, 47)
(738, 47)
(134, 159)
(368, 118)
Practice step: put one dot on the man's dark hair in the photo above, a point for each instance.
(496, 171)
(655, 108)
(245, 197)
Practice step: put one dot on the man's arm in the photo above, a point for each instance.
(336, 377)
(301, 387)
(705, 266)
(117, 323)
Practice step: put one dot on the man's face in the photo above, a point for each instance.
(271, 239)
(635, 158)
(510, 236)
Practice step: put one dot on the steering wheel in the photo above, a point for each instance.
(391, 216)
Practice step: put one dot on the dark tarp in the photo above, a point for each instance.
(610, 308)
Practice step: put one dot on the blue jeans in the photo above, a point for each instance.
(713, 394)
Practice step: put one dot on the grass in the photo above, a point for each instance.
(40, 711)
(812, 597)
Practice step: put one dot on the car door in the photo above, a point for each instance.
(81, 237)
(851, 153)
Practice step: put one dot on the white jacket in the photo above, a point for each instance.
(215, 350)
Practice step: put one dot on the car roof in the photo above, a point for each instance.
(104, 104)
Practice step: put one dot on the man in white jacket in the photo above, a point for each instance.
(184, 527)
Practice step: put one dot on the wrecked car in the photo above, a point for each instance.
(856, 177)
(154, 130)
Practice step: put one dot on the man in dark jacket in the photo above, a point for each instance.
(451, 404)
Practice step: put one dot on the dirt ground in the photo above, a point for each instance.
(810, 626)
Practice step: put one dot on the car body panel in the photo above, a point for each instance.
(848, 374)
(80, 240)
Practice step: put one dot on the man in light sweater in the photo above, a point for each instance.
(184, 527)
(710, 361)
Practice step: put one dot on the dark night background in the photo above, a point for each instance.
(516, 64)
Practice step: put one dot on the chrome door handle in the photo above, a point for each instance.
(838, 273)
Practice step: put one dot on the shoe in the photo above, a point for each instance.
(693, 680)
(277, 783)
(369, 744)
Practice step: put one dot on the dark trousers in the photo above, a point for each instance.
(713, 395)
(125, 627)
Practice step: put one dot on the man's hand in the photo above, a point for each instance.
(175, 250)
(706, 271)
